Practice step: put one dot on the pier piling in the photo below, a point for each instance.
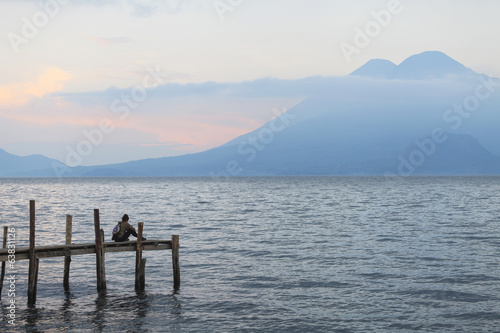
(99, 251)
(2, 276)
(33, 267)
(140, 264)
(67, 257)
(175, 261)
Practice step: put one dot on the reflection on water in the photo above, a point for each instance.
(33, 315)
(98, 316)
(65, 308)
(108, 313)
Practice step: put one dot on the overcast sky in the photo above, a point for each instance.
(67, 69)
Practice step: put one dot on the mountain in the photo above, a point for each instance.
(353, 128)
(426, 65)
(459, 155)
(28, 166)
(431, 64)
(376, 68)
(428, 115)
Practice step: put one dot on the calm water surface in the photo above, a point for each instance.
(291, 254)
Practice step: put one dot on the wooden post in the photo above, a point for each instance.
(33, 267)
(67, 258)
(103, 268)
(37, 265)
(5, 230)
(142, 274)
(140, 264)
(175, 261)
(99, 251)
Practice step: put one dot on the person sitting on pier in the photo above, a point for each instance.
(123, 230)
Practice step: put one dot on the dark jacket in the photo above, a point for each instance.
(125, 230)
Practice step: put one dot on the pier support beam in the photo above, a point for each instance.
(67, 258)
(33, 264)
(140, 264)
(175, 261)
(99, 247)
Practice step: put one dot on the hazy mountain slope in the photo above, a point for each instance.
(459, 154)
(28, 166)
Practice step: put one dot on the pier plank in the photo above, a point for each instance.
(50, 251)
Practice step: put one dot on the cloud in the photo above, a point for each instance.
(257, 89)
(182, 118)
(199, 115)
(50, 81)
(144, 8)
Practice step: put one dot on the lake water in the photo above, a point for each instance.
(276, 254)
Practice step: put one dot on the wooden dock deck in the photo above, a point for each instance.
(22, 253)
(99, 248)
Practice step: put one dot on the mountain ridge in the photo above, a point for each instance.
(425, 65)
(35, 165)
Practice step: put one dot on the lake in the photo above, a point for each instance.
(267, 254)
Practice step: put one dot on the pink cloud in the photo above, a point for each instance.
(20, 93)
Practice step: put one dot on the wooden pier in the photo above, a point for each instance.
(99, 247)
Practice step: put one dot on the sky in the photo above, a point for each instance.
(98, 82)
